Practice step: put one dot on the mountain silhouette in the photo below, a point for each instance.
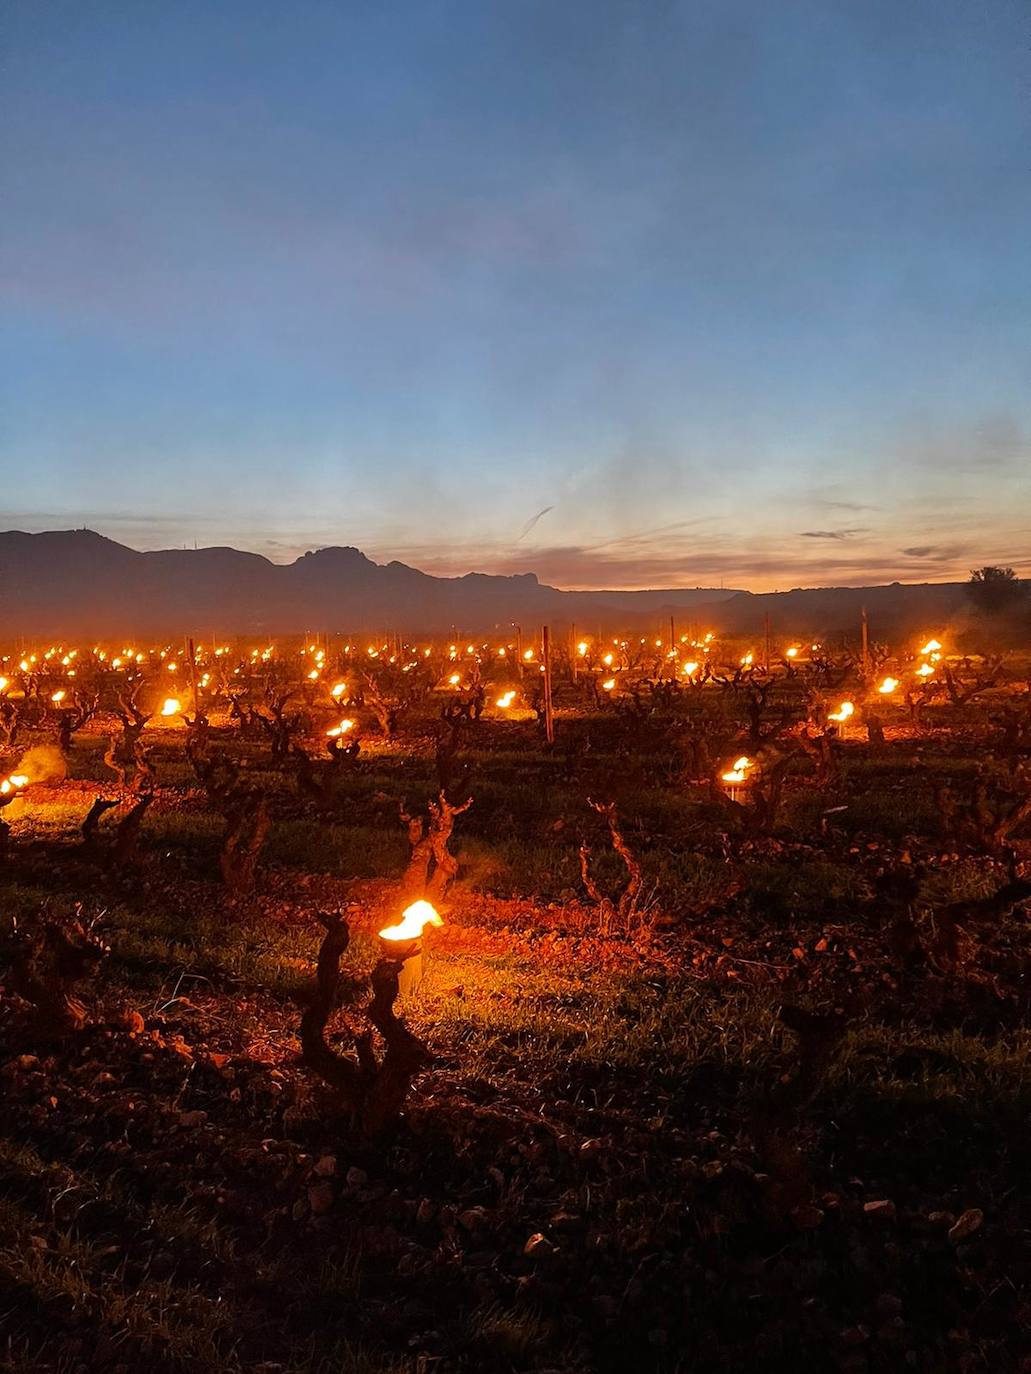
(79, 584)
(76, 583)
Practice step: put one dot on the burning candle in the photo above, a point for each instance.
(736, 776)
(14, 783)
(402, 943)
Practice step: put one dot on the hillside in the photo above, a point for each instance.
(76, 582)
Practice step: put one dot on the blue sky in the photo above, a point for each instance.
(736, 290)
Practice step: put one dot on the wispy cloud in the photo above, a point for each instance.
(533, 521)
(832, 534)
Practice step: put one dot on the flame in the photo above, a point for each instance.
(932, 646)
(689, 669)
(528, 655)
(413, 921)
(747, 660)
(925, 670)
(888, 685)
(454, 679)
(170, 706)
(3, 684)
(14, 783)
(340, 729)
(338, 689)
(59, 695)
(506, 699)
(581, 648)
(608, 685)
(844, 711)
(792, 652)
(739, 771)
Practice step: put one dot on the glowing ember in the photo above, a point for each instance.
(888, 685)
(506, 699)
(414, 920)
(340, 729)
(170, 706)
(739, 772)
(844, 711)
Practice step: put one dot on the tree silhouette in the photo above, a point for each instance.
(996, 590)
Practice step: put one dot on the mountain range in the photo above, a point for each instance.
(77, 583)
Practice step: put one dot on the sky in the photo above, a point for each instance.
(622, 292)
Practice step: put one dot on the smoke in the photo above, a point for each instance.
(42, 763)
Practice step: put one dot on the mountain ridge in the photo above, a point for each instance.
(81, 583)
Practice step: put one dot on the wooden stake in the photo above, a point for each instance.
(866, 645)
(192, 657)
(549, 714)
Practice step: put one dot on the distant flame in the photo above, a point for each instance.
(932, 646)
(59, 695)
(888, 685)
(171, 706)
(340, 729)
(792, 652)
(506, 699)
(14, 783)
(608, 685)
(844, 711)
(739, 771)
(925, 670)
(338, 689)
(413, 921)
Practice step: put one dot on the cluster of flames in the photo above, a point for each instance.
(608, 659)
